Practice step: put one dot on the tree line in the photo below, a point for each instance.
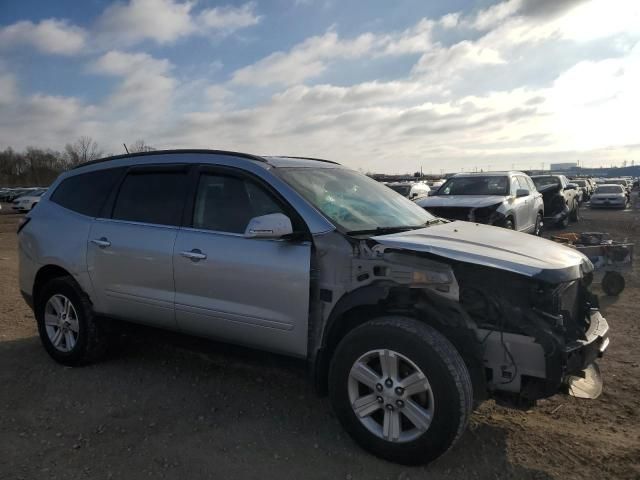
(38, 167)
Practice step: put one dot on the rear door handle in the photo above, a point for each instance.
(101, 242)
(194, 255)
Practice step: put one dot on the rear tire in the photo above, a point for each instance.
(71, 335)
(443, 405)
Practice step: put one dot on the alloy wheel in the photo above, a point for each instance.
(390, 396)
(61, 323)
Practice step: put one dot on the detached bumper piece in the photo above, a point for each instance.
(583, 379)
(587, 386)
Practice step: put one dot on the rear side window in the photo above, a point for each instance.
(87, 192)
(151, 197)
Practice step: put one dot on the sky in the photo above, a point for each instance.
(377, 85)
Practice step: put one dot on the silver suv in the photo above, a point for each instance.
(504, 199)
(406, 320)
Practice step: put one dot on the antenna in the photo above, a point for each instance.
(125, 148)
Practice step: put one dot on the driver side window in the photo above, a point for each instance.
(226, 203)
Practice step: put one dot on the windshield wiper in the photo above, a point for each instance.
(393, 229)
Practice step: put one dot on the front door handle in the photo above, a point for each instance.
(101, 242)
(195, 255)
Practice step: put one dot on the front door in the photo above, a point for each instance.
(249, 291)
(520, 207)
(130, 253)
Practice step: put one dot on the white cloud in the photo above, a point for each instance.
(8, 88)
(306, 60)
(166, 21)
(48, 36)
(163, 21)
(146, 86)
(228, 19)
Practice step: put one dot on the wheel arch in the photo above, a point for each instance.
(44, 275)
(362, 305)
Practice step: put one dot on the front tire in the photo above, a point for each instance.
(539, 225)
(400, 389)
(68, 328)
(508, 224)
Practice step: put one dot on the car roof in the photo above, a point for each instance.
(609, 185)
(274, 161)
(489, 174)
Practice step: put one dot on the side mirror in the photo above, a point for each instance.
(571, 186)
(413, 195)
(522, 192)
(274, 225)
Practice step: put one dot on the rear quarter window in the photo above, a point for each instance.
(87, 192)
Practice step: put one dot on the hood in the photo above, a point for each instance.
(468, 201)
(494, 247)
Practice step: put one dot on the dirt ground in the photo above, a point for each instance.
(171, 407)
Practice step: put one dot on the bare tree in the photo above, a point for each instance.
(140, 146)
(83, 150)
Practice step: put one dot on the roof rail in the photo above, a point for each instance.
(164, 152)
(308, 158)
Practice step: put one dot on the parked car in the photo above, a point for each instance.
(12, 193)
(612, 195)
(583, 190)
(561, 203)
(411, 190)
(434, 186)
(620, 181)
(407, 320)
(505, 199)
(29, 201)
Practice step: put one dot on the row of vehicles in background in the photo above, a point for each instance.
(22, 199)
(515, 200)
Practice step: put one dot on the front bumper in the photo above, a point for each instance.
(541, 367)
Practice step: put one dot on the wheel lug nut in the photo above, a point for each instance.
(399, 403)
(388, 382)
(380, 400)
(399, 390)
(389, 407)
(379, 387)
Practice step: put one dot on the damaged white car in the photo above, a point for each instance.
(406, 320)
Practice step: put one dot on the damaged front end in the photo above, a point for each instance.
(538, 338)
(556, 209)
(536, 331)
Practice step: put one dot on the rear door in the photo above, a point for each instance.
(249, 291)
(130, 250)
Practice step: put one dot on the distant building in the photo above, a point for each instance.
(563, 166)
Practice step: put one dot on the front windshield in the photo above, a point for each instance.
(489, 185)
(609, 189)
(542, 182)
(354, 201)
(580, 183)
